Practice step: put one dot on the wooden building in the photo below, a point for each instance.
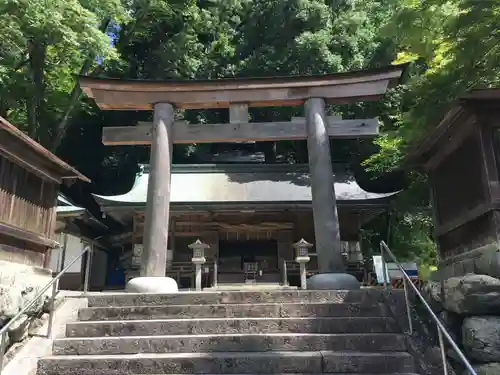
(252, 212)
(30, 177)
(462, 157)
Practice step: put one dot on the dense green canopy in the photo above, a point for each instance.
(452, 45)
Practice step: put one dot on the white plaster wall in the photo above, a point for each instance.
(74, 248)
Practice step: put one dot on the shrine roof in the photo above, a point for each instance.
(250, 183)
(66, 208)
(478, 100)
(347, 87)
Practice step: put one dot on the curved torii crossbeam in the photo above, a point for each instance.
(341, 88)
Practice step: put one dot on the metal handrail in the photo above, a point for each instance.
(442, 331)
(54, 284)
(285, 274)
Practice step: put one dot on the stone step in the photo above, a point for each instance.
(269, 310)
(369, 296)
(232, 325)
(230, 343)
(229, 363)
(337, 373)
(255, 287)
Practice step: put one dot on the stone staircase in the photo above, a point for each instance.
(247, 332)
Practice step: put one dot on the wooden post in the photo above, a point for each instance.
(326, 222)
(154, 258)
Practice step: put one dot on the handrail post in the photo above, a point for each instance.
(408, 307)
(384, 266)
(443, 351)
(87, 270)
(3, 344)
(285, 274)
(51, 309)
(215, 274)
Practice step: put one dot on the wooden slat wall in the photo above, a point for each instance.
(26, 201)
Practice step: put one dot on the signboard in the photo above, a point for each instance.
(136, 255)
(392, 270)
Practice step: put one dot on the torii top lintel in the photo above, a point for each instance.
(116, 94)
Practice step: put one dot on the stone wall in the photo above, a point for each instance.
(19, 284)
(469, 306)
(484, 260)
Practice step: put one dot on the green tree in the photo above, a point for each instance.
(43, 44)
(454, 47)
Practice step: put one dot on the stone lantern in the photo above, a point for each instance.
(302, 257)
(198, 259)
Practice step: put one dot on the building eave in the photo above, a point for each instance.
(13, 134)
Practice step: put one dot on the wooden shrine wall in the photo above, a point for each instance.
(285, 227)
(458, 181)
(458, 184)
(27, 214)
(466, 195)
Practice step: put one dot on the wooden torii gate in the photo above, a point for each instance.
(238, 94)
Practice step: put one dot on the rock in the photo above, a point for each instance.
(489, 261)
(333, 281)
(472, 295)
(7, 342)
(10, 301)
(46, 302)
(36, 323)
(453, 323)
(18, 331)
(486, 369)
(432, 294)
(481, 338)
(152, 285)
(27, 295)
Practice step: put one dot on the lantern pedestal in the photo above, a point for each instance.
(302, 257)
(198, 260)
(302, 261)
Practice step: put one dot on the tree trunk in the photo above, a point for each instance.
(37, 52)
(75, 96)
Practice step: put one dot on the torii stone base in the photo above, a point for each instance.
(333, 281)
(152, 285)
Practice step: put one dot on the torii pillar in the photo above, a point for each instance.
(154, 256)
(326, 222)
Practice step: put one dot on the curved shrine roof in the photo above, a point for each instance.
(216, 184)
(65, 207)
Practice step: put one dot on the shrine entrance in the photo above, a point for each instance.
(248, 261)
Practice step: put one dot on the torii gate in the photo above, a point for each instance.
(238, 94)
